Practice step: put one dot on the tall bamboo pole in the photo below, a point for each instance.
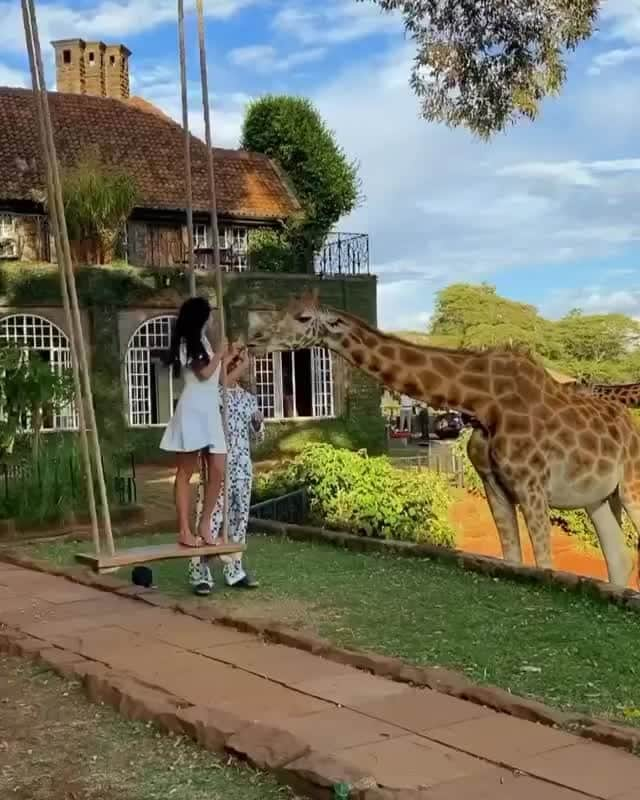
(39, 97)
(38, 81)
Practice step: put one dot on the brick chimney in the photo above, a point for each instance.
(92, 68)
(116, 60)
(70, 66)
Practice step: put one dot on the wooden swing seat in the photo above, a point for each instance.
(159, 552)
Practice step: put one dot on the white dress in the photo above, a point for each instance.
(197, 422)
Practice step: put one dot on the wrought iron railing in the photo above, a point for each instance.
(291, 508)
(343, 254)
(442, 460)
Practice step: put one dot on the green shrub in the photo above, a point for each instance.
(288, 438)
(573, 521)
(271, 251)
(274, 483)
(368, 496)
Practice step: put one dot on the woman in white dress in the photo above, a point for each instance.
(244, 423)
(196, 426)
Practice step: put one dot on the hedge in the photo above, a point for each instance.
(366, 495)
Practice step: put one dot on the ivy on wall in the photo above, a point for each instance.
(105, 291)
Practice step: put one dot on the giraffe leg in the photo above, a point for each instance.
(615, 503)
(503, 510)
(535, 510)
(614, 549)
(504, 515)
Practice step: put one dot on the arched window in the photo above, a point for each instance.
(52, 345)
(151, 388)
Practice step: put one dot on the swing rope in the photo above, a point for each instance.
(187, 150)
(215, 240)
(213, 210)
(80, 368)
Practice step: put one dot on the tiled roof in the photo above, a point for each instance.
(142, 141)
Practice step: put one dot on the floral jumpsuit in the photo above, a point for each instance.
(243, 419)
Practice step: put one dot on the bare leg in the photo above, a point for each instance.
(215, 475)
(619, 562)
(502, 508)
(186, 463)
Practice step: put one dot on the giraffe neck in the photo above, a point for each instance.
(443, 378)
(626, 393)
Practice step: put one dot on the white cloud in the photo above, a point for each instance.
(441, 206)
(109, 19)
(594, 300)
(571, 173)
(610, 59)
(334, 22)
(621, 19)
(9, 76)
(265, 58)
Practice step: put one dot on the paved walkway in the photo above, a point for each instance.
(317, 722)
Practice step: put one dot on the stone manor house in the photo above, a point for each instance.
(93, 113)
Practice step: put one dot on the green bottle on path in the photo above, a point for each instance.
(341, 791)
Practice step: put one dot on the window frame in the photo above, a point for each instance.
(261, 372)
(46, 337)
(143, 343)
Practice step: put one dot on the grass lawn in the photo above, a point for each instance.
(557, 646)
(54, 745)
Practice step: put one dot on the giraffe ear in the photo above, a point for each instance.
(310, 298)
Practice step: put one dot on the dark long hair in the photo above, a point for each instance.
(192, 318)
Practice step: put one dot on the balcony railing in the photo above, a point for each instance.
(343, 254)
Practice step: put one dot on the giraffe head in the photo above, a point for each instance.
(302, 323)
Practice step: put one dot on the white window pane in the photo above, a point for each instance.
(151, 388)
(263, 370)
(322, 382)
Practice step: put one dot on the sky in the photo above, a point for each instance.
(548, 212)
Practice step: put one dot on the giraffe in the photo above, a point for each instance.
(626, 393)
(537, 443)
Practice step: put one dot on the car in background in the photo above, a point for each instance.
(448, 425)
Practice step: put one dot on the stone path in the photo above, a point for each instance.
(315, 722)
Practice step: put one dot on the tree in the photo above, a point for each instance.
(292, 132)
(600, 348)
(476, 316)
(486, 65)
(97, 204)
(29, 389)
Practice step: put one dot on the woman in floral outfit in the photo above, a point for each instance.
(244, 422)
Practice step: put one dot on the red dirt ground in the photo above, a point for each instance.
(477, 534)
